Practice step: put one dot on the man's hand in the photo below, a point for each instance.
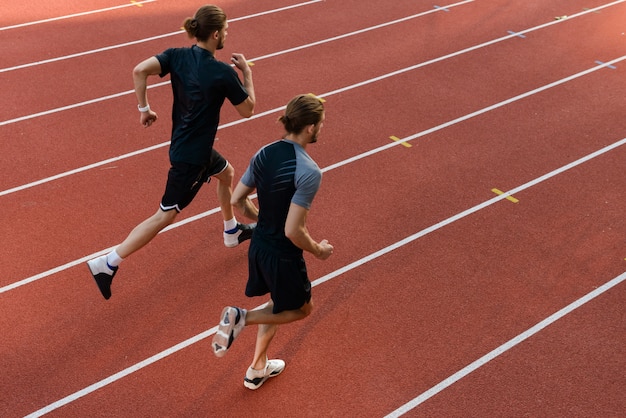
(240, 62)
(326, 250)
(147, 118)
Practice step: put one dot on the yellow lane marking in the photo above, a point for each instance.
(405, 144)
(509, 198)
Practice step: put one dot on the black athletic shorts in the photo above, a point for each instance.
(285, 279)
(184, 181)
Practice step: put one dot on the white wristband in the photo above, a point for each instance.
(143, 109)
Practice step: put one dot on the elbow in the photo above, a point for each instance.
(248, 112)
(139, 73)
(291, 233)
(246, 109)
(237, 202)
(245, 113)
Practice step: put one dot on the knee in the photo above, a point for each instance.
(227, 175)
(165, 218)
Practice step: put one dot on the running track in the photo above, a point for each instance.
(480, 256)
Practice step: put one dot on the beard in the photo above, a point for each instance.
(313, 139)
(220, 44)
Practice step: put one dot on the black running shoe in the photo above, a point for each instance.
(103, 274)
(239, 234)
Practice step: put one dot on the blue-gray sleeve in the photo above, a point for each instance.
(308, 181)
(248, 178)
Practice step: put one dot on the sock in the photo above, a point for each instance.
(230, 225)
(113, 259)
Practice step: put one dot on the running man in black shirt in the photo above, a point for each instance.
(286, 180)
(200, 84)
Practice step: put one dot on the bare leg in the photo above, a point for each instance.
(264, 337)
(143, 233)
(268, 325)
(265, 315)
(225, 191)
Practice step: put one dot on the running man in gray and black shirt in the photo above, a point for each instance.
(286, 180)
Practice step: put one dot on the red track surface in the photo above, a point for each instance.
(400, 325)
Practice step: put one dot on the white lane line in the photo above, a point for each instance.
(47, 273)
(90, 12)
(165, 353)
(478, 112)
(152, 38)
(442, 58)
(505, 347)
(358, 32)
(280, 9)
(474, 209)
(163, 144)
(278, 109)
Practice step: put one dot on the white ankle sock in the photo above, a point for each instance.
(113, 259)
(232, 224)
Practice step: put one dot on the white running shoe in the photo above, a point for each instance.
(255, 378)
(232, 321)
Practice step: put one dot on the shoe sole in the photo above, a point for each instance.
(223, 336)
(229, 245)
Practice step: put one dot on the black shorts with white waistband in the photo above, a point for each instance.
(284, 278)
(184, 181)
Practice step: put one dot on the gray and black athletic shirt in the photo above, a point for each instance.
(282, 173)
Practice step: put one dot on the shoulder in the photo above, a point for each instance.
(171, 54)
(276, 146)
(224, 69)
(268, 149)
(307, 171)
(308, 178)
(305, 160)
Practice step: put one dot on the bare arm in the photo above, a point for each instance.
(242, 202)
(141, 72)
(245, 108)
(296, 231)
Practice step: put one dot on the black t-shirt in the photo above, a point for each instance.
(200, 84)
